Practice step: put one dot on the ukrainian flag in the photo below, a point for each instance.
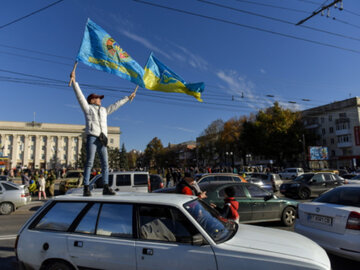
(99, 50)
(159, 77)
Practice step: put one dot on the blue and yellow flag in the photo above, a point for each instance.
(159, 77)
(101, 51)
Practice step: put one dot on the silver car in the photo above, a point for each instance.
(12, 196)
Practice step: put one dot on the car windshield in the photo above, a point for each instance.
(304, 177)
(73, 174)
(356, 177)
(218, 229)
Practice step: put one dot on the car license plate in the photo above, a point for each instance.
(320, 219)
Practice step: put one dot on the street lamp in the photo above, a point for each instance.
(231, 154)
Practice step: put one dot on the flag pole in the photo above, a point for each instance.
(72, 79)
(136, 88)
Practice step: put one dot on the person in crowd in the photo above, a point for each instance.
(50, 183)
(96, 132)
(41, 186)
(168, 177)
(231, 206)
(187, 187)
(25, 180)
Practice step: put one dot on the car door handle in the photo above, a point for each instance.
(78, 244)
(147, 251)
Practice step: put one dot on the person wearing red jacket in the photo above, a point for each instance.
(231, 206)
(186, 187)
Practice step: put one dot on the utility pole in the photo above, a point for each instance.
(318, 11)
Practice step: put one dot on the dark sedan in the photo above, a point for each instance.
(310, 185)
(255, 203)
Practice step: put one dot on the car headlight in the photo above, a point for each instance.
(295, 185)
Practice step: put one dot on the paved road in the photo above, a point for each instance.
(11, 224)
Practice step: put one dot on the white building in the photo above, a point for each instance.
(337, 126)
(43, 145)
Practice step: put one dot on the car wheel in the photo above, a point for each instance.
(288, 216)
(304, 194)
(6, 208)
(58, 266)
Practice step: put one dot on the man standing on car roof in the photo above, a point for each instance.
(96, 132)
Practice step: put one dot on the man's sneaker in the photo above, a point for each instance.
(108, 191)
(87, 192)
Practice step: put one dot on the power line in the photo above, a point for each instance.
(249, 27)
(318, 11)
(297, 10)
(279, 20)
(30, 14)
(315, 3)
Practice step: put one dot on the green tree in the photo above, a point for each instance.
(274, 134)
(152, 154)
(123, 159)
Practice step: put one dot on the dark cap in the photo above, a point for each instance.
(91, 96)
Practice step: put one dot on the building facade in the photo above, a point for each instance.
(43, 145)
(337, 127)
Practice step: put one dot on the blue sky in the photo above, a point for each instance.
(242, 58)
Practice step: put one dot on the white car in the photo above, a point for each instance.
(119, 181)
(333, 221)
(155, 231)
(291, 173)
(12, 196)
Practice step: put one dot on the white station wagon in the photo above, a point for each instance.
(138, 231)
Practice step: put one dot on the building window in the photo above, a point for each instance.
(322, 120)
(323, 131)
(332, 141)
(333, 153)
(324, 142)
(331, 130)
(330, 117)
(111, 140)
(342, 115)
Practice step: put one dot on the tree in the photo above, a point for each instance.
(114, 158)
(123, 159)
(152, 153)
(274, 134)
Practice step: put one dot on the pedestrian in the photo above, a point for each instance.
(41, 186)
(50, 183)
(168, 177)
(231, 206)
(96, 132)
(187, 187)
(25, 180)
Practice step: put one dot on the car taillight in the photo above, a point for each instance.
(15, 247)
(23, 195)
(161, 185)
(149, 185)
(353, 222)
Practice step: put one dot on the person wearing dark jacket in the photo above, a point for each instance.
(186, 187)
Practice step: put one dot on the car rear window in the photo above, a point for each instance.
(9, 186)
(73, 174)
(115, 220)
(342, 196)
(140, 179)
(123, 180)
(60, 216)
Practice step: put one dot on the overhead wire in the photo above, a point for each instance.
(278, 20)
(207, 94)
(249, 26)
(30, 14)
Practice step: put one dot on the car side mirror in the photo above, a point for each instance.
(198, 240)
(268, 197)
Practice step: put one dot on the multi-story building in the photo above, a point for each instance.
(337, 126)
(44, 145)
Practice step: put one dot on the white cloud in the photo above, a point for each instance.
(263, 71)
(146, 43)
(183, 54)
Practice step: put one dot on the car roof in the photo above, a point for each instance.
(132, 197)
(216, 174)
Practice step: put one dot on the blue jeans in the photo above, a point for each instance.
(93, 144)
